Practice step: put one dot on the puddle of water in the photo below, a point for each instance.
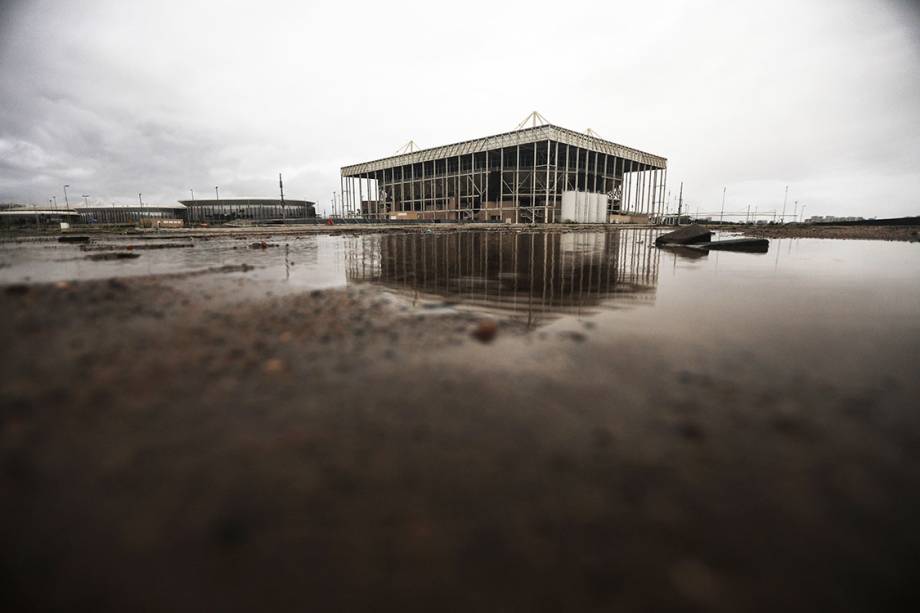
(804, 295)
(295, 263)
(830, 308)
(534, 277)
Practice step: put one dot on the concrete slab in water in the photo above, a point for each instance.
(685, 236)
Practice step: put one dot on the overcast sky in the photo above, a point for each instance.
(121, 97)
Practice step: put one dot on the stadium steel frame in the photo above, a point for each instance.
(517, 176)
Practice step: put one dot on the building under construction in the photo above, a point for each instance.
(539, 174)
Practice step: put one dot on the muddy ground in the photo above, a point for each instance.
(188, 443)
(885, 233)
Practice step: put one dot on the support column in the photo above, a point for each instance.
(472, 184)
(412, 197)
(594, 187)
(546, 202)
(555, 179)
(577, 160)
(627, 187)
(565, 186)
(533, 187)
(605, 191)
(501, 182)
(488, 172)
(517, 194)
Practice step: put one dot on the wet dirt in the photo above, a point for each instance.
(530, 423)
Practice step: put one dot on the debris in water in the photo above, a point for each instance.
(685, 236)
(73, 239)
(753, 245)
(486, 330)
(133, 247)
(114, 255)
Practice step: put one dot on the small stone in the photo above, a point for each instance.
(486, 330)
(273, 365)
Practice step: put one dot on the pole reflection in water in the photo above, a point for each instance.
(535, 276)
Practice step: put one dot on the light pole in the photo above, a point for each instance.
(66, 201)
(85, 202)
(803, 213)
(680, 202)
(722, 214)
(54, 200)
(281, 187)
(785, 198)
(217, 195)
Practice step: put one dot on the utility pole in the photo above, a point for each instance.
(680, 202)
(782, 219)
(281, 187)
(722, 214)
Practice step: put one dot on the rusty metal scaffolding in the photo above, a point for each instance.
(517, 176)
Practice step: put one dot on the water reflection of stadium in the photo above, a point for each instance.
(535, 276)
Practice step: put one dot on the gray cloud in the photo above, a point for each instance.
(157, 97)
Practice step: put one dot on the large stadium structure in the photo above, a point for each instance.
(539, 174)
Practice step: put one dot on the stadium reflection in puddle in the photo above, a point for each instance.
(534, 276)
